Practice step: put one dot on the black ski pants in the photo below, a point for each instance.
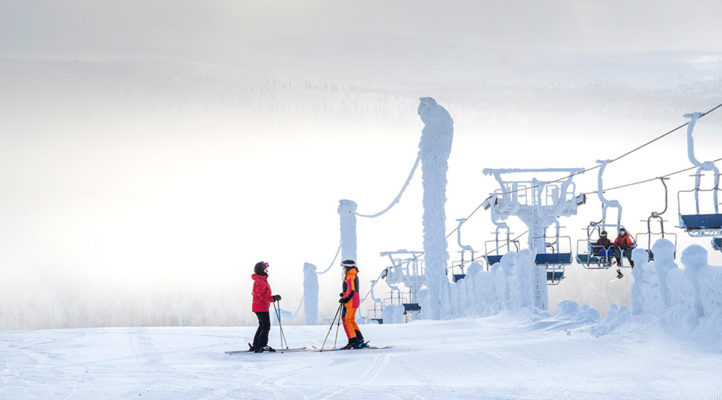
(264, 326)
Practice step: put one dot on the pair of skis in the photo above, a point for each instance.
(353, 348)
(312, 348)
(364, 346)
(620, 275)
(276, 351)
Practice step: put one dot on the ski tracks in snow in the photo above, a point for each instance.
(378, 365)
(145, 348)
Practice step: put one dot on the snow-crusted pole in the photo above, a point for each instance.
(435, 147)
(347, 213)
(310, 294)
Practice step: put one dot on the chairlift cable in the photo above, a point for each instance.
(591, 168)
(338, 250)
(381, 275)
(650, 179)
(396, 199)
(497, 249)
(557, 180)
(660, 137)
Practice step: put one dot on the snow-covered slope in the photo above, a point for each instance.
(500, 357)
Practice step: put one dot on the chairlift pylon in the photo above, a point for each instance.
(538, 204)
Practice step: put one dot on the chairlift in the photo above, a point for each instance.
(662, 234)
(412, 310)
(556, 260)
(700, 224)
(378, 303)
(492, 248)
(407, 268)
(461, 264)
(588, 252)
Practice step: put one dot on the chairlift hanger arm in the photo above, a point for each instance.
(659, 214)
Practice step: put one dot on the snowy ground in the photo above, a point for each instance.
(500, 357)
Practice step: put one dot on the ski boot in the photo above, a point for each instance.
(361, 343)
(620, 275)
(265, 348)
(352, 343)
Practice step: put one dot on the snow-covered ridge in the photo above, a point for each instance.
(685, 302)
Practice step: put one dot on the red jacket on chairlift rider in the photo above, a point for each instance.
(624, 244)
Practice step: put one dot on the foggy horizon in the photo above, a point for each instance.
(153, 153)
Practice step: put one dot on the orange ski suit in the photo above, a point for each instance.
(350, 290)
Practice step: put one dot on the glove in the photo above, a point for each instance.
(344, 300)
(340, 294)
(276, 297)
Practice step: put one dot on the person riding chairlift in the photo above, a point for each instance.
(624, 246)
(604, 247)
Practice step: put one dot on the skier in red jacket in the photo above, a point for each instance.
(624, 246)
(262, 299)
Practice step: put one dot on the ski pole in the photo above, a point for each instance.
(331, 327)
(280, 325)
(337, 325)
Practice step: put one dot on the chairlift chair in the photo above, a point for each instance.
(492, 248)
(556, 260)
(406, 268)
(657, 216)
(700, 224)
(396, 297)
(461, 264)
(588, 255)
(458, 268)
(378, 303)
(591, 259)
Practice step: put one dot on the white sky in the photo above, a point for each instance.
(167, 147)
(167, 26)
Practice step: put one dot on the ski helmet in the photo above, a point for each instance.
(348, 264)
(604, 233)
(260, 267)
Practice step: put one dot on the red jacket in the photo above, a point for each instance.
(262, 296)
(624, 242)
(350, 287)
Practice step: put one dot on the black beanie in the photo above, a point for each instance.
(259, 268)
